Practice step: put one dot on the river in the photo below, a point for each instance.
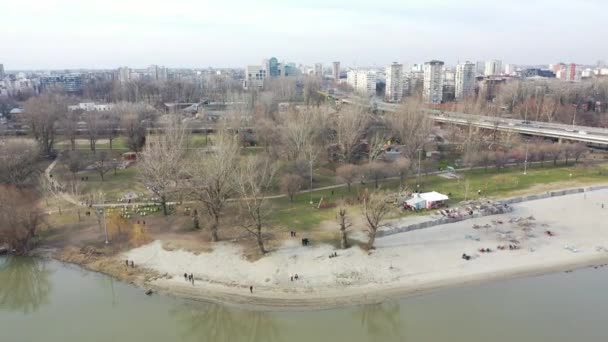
(45, 300)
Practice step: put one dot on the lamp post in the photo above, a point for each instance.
(526, 158)
(418, 176)
(310, 181)
(102, 211)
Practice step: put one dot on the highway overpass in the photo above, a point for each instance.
(593, 136)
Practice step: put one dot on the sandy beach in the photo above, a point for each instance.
(401, 265)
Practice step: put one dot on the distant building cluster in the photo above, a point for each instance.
(255, 75)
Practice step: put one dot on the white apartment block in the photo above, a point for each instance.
(433, 82)
(319, 70)
(465, 80)
(254, 76)
(363, 81)
(493, 67)
(92, 107)
(510, 69)
(394, 82)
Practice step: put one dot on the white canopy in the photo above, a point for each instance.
(433, 196)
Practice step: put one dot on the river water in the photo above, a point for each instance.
(48, 301)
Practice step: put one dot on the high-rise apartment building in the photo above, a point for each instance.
(465, 80)
(2, 71)
(336, 71)
(363, 81)
(433, 82)
(493, 67)
(123, 74)
(319, 69)
(254, 76)
(394, 82)
(157, 73)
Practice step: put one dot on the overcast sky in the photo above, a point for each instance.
(59, 34)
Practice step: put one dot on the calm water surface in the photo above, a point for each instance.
(52, 302)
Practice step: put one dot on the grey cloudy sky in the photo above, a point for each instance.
(199, 33)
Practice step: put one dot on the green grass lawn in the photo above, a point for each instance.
(493, 183)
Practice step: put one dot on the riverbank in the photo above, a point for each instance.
(402, 264)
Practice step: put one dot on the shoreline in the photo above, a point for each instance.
(357, 295)
(428, 272)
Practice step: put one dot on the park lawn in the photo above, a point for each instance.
(493, 184)
(114, 186)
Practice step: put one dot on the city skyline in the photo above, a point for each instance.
(72, 34)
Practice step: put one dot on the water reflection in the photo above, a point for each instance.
(24, 284)
(211, 322)
(381, 321)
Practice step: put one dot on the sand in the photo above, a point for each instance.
(402, 264)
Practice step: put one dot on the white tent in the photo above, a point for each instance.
(433, 199)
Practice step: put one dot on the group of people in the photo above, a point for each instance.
(333, 255)
(132, 263)
(295, 277)
(189, 277)
(465, 256)
(485, 250)
(292, 234)
(511, 247)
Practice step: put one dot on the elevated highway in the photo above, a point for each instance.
(593, 136)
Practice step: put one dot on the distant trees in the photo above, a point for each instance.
(411, 126)
(135, 119)
(42, 114)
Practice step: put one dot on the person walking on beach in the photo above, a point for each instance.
(127, 262)
(251, 289)
(186, 276)
(132, 264)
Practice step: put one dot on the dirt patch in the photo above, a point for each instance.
(99, 260)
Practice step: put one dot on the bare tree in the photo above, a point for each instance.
(344, 225)
(578, 150)
(411, 126)
(42, 114)
(111, 125)
(291, 184)
(135, 119)
(18, 161)
(376, 171)
(254, 180)
(160, 163)
(375, 209)
(73, 161)
(301, 132)
(350, 126)
(94, 125)
(348, 174)
(20, 217)
(69, 125)
(102, 164)
(376, 146)
(212, 176)
(401, 166)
